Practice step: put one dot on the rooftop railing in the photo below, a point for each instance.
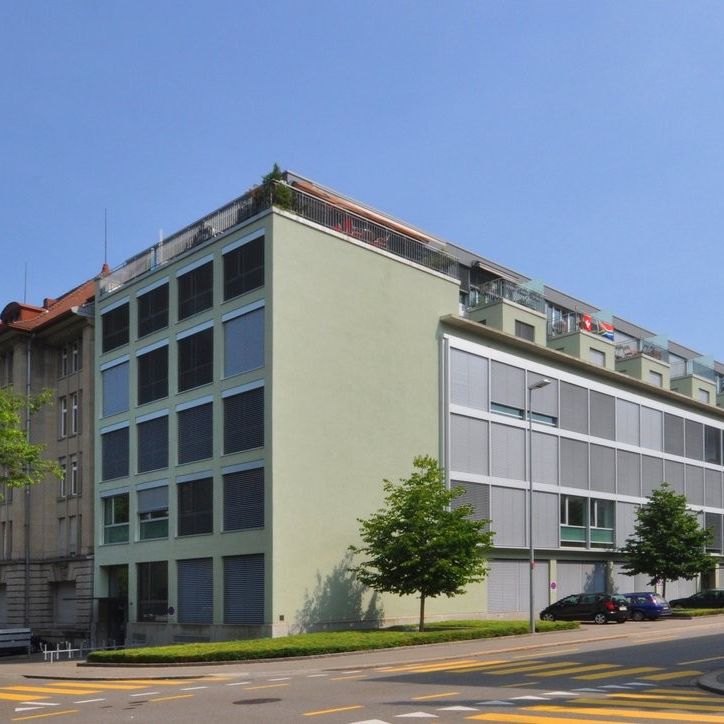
(632, 348)
(692, 367)
(290, 199)
(497, 289)
(577, 322)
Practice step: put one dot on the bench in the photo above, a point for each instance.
(15, 638)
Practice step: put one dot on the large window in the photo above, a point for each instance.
(244, 268)
(574, 520)
(196, 360)
(602, 522)
(196, 506)
(244, 421)
(153, 375)
(196, 290)
(195, 433)
(115, 519)
(114, 454)
(152, 583)
(244, 499)
(74, 413)
(115, 389)
(244, 343)
(153, 310)
(152, 444)
(115, 328)
(62, 417)
(153, 513)
(587, 522)
(74, 476)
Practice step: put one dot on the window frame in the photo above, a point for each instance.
(114, 520)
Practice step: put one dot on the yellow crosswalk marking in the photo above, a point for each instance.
(156, 682)
(690, 692)
(577, 669)
(418, 666)
(332, 711)
(672, 675)
(48, 690)
(46, 714)
(17, 697)
(514, 669)
(528, 719)
(618, 672)
(590, 701)
(665, 697)
(99, 685)
(639, 714)
(169, 698)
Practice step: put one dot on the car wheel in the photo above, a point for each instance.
(637, 616)
(600, 618)
(621, 620)
(548, 617)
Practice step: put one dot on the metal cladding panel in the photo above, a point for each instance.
(694, 485)
(627, 422)
(603, 468)
(576, 577)
(507, 452)
(625, 521)
(651, 428)
(114, 454)
(507, 513)
(115, 389)
(574, 408)
(546, 530)
(544, 400)
(545, 458)
(196, 591)
(509, 586)
(195, 433)
(244, 343)
(629, 584)
(244, 589)
(673, 434)
(628, 473)
(680, 588)
(153, 444)
(468, 445)
(468, 380)
(65, 602)
(603, 415)
(244, 499)
(477, 495)
(694, 440)
(507, 385)
(674, 475)
(574, 463)
(244, 421)
(652, 474)
(713, 488)
(713, 521)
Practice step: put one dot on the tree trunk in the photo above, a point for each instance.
(422, 613)
(663, 589)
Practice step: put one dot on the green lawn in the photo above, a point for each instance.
(324, 643)
(694, 612)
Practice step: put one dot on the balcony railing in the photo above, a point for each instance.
(692, 367)
(298, 202)
(632, 348)
(497, 289)
(577, 322)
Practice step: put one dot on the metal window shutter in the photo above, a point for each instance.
(153, 444)
(545, 458)
(574, 463)
(153, 375)
(114, 328)
(603, 468)
(652, 474)
(468, 380)
(153, 310)
(546, 530)
(507, 516)
(713, 521)
(114, 454)
(244, 589)
(544, 400)
(694, 440)
(476, 495)
(244, 421)
(651, 428)
(627, 422)
(503, 582)
(195, 290)
(507, 448)
(712, 444)
(153, 499)
(574, 408)
(581, 578)
(244, 343)
(196, 360)
(603, 415)
(195, 506)
(195, 433)
(673, 434)
(713, 488)
(115, 389)
(507, 385)
(244, 499)
(195, 591)
(674, 475)
(629, 473)
(244, 268)
(468, 445)
(694, 485)
(625, 521)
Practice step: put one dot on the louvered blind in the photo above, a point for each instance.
(195, 433)
(195, 591)
(244, 421)
(244, 499)
(152, 444)
(244, 589)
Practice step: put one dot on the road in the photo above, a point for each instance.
(635, 673)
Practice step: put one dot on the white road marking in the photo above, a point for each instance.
(146, 693)
(281, 678)
(238, 683)
(40, 703)
(193, 688)
(87, 701)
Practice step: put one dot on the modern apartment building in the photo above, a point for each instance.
(261, 371)
(46, 530)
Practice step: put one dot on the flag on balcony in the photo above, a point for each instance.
(586, 323)
(605, 329)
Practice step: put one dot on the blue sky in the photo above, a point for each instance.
(581, 143)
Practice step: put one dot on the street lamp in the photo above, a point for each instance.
(529, 412)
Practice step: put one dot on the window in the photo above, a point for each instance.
(6, 540)
(703, 395)
(244, 421)
(195, 433)
(62, 537)
(153, 375)
(244, 268)
(73, 535)
(602, 522)
(114, 454)
(74, 481)
(603, 415)
(673, 434)
(63, 361)
(115, 328)
(115, 519)
(712, 445)
(507, 389)
(152, 444)
(196, 290)
(195, 580)
(153, 310)
(153, 513)
(115, 389)
(244, 499)
(574, 520)
(244, 343)
(656, 378)
(524, 331)
(152, 583)
(596, 357)
(195, 507)
(62, 417)
(6, 368)
(244, 589)
(75, 356)
(507, 410)
(74, 414)
(196, 360)
(63, 482)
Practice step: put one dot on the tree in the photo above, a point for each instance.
(667, 543)
(418, 544)
(21, 462)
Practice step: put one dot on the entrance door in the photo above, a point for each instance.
(113, 609)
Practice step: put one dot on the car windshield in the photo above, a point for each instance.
(658, 599)
(620, 599)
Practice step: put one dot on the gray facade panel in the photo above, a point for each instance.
(509, 584)
(546, 531)
(468, 445)
(545, 458)
(196, 591)
(628, 473)
(545, 399)
(652, 428)
(244, 589)
(625, 521)
(580, 578)
(468, 380)
(673, 434)
(674, 475)
(508, 519)
(627, 422)
(713, 482)
(652, 474)
(694, 485)
(507, 386)
(603, 468)
(574, 408)
(477, 495)
(574, 463)
(603, 415)
(507, 452)
(694, 440)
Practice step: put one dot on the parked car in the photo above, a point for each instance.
(713, 598)
(647, 605)
(596, 607)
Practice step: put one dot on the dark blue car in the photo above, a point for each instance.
(647, 605)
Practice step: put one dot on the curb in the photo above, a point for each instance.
(713, 681)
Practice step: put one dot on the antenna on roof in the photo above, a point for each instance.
(105, 236)
(25, 284)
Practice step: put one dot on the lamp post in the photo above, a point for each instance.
(529, 412)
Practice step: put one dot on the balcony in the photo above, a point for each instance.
(695, 378)
(584, 336)
(497, 289)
